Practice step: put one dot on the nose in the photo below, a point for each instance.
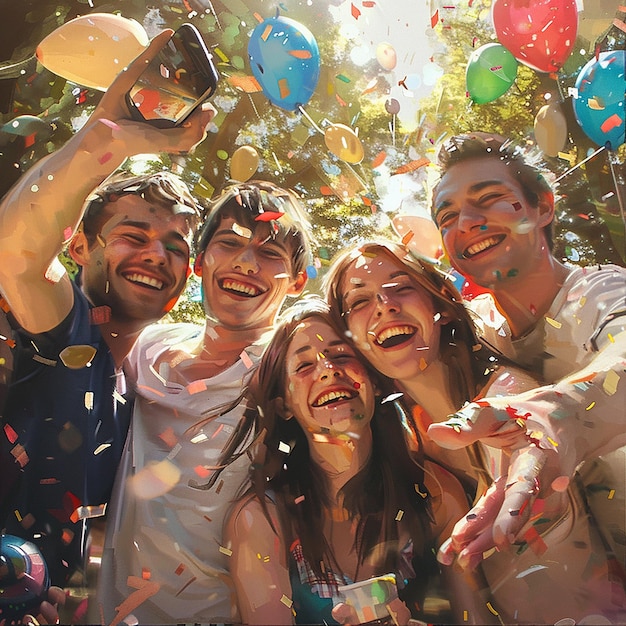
(326, 368)
(470, 218)
(155, 252)
(386, 302)
(246, 262)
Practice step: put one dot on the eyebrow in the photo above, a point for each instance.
(147, 226)
(393, 275)
(475, 188)
(332, 344)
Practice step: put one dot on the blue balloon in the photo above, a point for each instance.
(285, 60)
(599, 104)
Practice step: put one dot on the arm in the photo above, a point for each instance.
(258, 564)
(550, 431)
(466, 590)
(44, 207)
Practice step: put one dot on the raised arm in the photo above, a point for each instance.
(42, 210)
(257, 565)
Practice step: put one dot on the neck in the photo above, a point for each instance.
(340, 456)
(431, 391)
(227, 344)
(120, 337)
(525, 299)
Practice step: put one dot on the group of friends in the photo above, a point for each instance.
(301, 442)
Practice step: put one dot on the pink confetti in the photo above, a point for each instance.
(246, 360)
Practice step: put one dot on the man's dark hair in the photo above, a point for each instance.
(467, 147)
(163, 189)
(255, 202)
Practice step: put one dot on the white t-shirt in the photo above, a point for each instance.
(161, 530)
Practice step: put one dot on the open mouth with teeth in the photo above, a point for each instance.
(146, 281)
(239, 289)
(332, 397)
(395, 335)
(481, 246)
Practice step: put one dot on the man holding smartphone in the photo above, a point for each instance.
(67, 409)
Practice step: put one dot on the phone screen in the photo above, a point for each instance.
(180, 77)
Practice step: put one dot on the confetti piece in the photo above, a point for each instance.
(411, 166)
(553, 322)
(299, 499)
(399, 515)
(100, 315)
(614, 121)
(434, 19)
(101, 448)
(491, 609)
(611, 494)
(180, 569)
(610, 383)
(197, 386)
(284, 447)
(10, 433)
(391, 398)
(226, 551)
(246, 360)
(379, 159)
(355, 14)
(44, 361)
(285, 600)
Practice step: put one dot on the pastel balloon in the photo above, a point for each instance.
(419, 234)
(392, 106)
(285, 60)
(244, 163)
(491, 70)
(344, 143)
(386, 56)
(24, 125)
(91, 50)
(539, 33)
(550, 129)
(599, 100)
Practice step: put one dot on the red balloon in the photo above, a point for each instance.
(538, 33)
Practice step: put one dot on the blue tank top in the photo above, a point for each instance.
(66, 429)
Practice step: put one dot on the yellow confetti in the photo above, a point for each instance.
(611, 338)
(554, 443)
(590, 406)
(491, 609)
(553, 322)
(400, 515)
(610, 383)
(89, 400)
(581, 302)
(286, 601)
(611, 494)
(226, 551)
(465, 616)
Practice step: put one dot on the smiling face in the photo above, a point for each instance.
(391, 316)
(246, 276)
(139, 262)
(490, 230)
(327, 388)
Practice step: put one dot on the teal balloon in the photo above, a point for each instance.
(285, 60)
(491, 70)
(599, 101)
(24, 125)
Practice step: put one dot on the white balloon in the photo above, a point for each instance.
(93, 49)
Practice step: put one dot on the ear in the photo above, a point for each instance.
(281, 408)
(197, 264)
(298, 285)
(545, 208)
(78, 248)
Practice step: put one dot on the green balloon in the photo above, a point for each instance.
(491, 70)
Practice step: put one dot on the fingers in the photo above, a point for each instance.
(479, 421)
(522, 487)
(344, 614)
(472, 535)
(126, 79)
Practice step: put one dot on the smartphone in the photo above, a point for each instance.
(179, 79)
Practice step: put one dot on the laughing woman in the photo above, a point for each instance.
(409, 322)
(335, 496)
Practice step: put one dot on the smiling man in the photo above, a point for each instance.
(164, 561)
(566, 323)
(67, 410)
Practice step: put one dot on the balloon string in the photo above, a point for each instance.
(308, 117)
(579, 164)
